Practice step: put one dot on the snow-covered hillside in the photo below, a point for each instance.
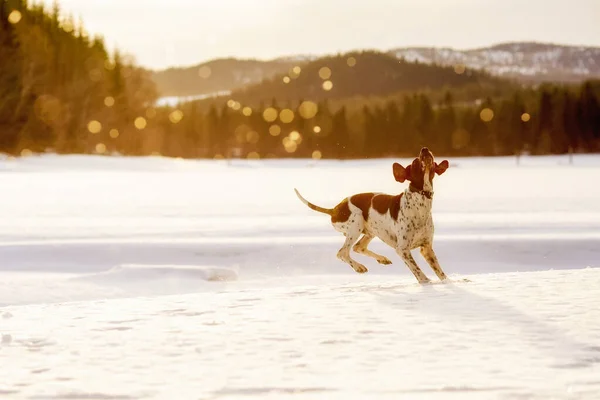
(155, 278)
(529, 61)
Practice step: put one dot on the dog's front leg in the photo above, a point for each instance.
(429, 255)
(412, 264)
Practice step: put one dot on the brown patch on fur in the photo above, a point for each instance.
(341, 212)
(383, 203)
(363, 201)
(395, 206)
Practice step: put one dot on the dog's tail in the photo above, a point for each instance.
(328, 211)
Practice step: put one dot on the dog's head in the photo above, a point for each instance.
(421, 172)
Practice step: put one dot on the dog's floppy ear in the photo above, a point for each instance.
(441, 167)
(400, 173)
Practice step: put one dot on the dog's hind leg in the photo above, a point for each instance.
(361, 248)
(352, 235)
(429, 255)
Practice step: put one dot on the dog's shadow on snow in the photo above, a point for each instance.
(455, 303)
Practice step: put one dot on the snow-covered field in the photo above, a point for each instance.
(135, 278)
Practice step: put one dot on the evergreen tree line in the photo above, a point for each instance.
(58, 84)
(61, 91)
(552, 119)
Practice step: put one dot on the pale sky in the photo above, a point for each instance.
(163, 33)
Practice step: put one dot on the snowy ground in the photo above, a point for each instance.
(127, 278)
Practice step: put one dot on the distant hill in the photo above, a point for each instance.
(526, 61)
(360, 74)
(219, 75)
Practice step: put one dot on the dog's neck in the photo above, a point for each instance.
(423, 192)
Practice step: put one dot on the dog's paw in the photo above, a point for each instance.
(361, 269)
(384, 261)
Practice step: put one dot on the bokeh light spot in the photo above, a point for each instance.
(286, 115)
(151, 113)
(140, 123)
(308, 109)
(325, 73)
(274, 130)
(525, 117)
(270, 114)
(289, 145)
(204, 72)
(176, 116)
(327, 85)
(460, 69)
(486, 115)
(109, 101)
(94, 126)
(252, 137)
(14, 17)
(101, 148)
(317, 155)
(351, 61)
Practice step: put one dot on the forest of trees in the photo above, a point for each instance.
(547, 120)
(61, 91)
(58, 85)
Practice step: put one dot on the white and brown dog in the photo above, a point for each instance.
(403, 222)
